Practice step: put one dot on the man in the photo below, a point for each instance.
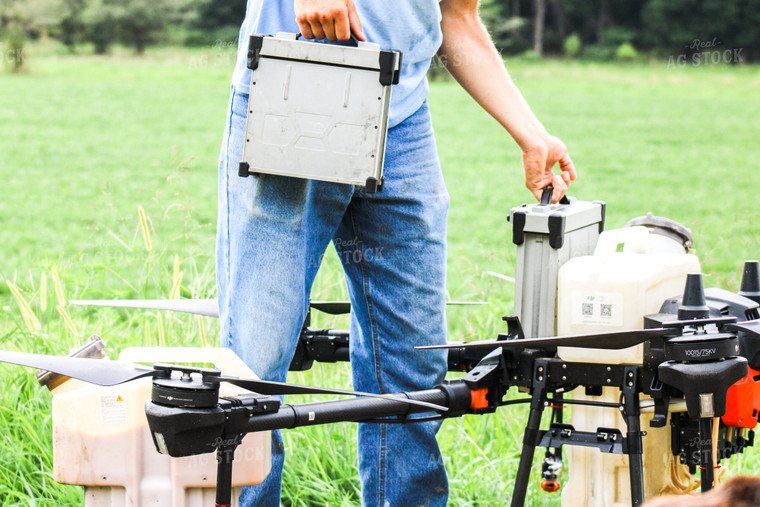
(273, 230)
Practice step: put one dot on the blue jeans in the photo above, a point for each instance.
(272, 234)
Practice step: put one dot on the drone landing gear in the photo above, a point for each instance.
(225, 455)
(531, 435)
(707, 466)
(631, 412)
(604, 439)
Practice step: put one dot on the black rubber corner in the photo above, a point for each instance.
(389, 74)
(371, 185)
(244, 169)
(518, 227)
(556, 231)
(604, 213)
(255, 44)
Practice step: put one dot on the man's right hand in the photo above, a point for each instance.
(328, 19)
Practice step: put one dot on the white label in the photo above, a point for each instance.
(597, 308)
(113, 409)
(311, 416)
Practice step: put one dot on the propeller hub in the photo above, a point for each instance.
(185, 387)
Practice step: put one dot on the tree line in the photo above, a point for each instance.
(593, 29)
(100, 24)
(598, 29)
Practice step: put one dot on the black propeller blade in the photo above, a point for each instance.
(94, 371)
(332, 307)
(110, 373)
(614, 340)
(343, 307)
(275, 388)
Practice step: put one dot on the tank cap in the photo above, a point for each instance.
(665, 227)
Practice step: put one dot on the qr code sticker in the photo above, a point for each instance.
(605, 310)
(587, 308)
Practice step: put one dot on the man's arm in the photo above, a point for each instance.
(470, 56)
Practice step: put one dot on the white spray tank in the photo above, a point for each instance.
(101, 438)
(613, 290)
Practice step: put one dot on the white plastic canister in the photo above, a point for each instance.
(613, 290)
(101, 440)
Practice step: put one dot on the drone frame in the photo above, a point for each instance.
(699, 349)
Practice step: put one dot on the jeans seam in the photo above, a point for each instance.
(376, 356)
(381, 471)
(368, 300)
(227, 239)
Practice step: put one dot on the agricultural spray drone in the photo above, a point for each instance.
(701, 356)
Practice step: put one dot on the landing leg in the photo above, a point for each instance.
(631, 412)
(224, 456)
(530, 439)
(706, 466)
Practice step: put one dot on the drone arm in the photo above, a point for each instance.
(478, 392)
(456, 396)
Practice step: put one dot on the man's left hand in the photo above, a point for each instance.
(538, 162)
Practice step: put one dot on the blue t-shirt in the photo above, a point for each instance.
(410, 26)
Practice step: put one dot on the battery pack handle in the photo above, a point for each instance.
(546, 197)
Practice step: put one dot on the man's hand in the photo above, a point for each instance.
(538, 162)
(328, 19)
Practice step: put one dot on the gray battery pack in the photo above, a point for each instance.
(318, 111)
(547, 236)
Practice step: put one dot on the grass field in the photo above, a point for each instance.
(85, 141)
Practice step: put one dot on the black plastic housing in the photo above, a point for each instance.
(181, 432)
(695, 380)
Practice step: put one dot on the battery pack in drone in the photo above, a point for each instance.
(547, 236)
(318, 111)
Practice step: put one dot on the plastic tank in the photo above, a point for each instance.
(613, 290)
(629, 276)
(101, 440)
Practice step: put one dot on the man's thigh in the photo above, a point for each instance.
(393, 248)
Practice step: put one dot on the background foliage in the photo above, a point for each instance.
(594, 29)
